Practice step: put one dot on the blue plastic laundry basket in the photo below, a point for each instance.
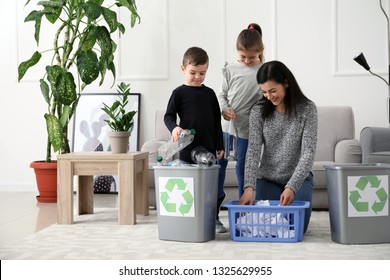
(273, 223)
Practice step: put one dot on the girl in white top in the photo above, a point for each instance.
(239, 92)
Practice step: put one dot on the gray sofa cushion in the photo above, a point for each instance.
(379, 157)
(335, 123)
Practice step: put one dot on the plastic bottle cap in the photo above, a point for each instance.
(159, 159)
(192, 131)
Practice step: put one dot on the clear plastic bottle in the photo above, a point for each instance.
(231, 141)
(202, 156)
(168, 150)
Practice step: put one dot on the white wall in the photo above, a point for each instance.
(317, 39)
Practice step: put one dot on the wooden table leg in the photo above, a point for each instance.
(126, 199)
(85, 195)
(65, 192)
(141, 187)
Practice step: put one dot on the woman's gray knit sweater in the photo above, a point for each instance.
(281, 147)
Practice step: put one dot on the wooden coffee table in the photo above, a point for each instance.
(131, 169)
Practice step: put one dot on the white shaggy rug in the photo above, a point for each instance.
(98, 237)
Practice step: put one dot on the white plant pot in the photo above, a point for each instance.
(119, 141)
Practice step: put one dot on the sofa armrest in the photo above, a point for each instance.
(152, 146)
(348, 151)
(374, 139)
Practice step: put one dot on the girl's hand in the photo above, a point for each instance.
(228, 114)
(176, 133)
(248, 197)
(287, 197)
(220, 154)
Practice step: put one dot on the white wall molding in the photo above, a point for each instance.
(338, 70)
(274, 12)
(224, 31)
(146, 42)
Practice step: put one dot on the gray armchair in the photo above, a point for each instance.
(375, 143)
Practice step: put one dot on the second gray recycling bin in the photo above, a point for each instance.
(186, 198)
(358, 197)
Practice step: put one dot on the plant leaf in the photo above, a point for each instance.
(54, 130)
(25, 65)
(115, 105)
(65, 116)
(121, 28)
(103, 65)
(66, 88)
(108, 111)
(90, 39)
(52, 9)
(88, 66)
(92, 10)
(111, 67)
(74, 106)
(106, 47)
(99, 2)
(111, 18)
(130, 4)
(134, 19)
(105, 42)
(53, 73)
(37, 17)
(45, 90)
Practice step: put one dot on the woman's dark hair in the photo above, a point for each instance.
(251, 39)
(278, 72)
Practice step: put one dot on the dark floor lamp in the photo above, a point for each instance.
(363, 62)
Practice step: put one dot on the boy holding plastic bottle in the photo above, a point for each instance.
(197, 107)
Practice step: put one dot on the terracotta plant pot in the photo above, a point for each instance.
(46, 177)
(119, 141)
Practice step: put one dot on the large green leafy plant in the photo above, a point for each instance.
(82, 42)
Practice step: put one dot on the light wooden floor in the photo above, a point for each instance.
(21, 214)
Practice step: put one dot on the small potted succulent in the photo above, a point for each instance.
(119, 120)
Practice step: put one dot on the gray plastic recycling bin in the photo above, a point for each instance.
(186, 199)
(358, 197)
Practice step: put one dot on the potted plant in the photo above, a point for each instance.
(82, 43)
(120, 121)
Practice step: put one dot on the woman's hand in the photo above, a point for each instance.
(287, 197)
(247, 197)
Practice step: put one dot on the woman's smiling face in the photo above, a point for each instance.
(274, 92)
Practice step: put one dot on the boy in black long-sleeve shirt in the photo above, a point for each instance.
(198, 108)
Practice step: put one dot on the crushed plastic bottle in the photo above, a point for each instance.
(178, 162)
(168, 150)
(202, 156)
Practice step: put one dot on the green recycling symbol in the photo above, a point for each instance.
(186, 204)
(362, 185)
